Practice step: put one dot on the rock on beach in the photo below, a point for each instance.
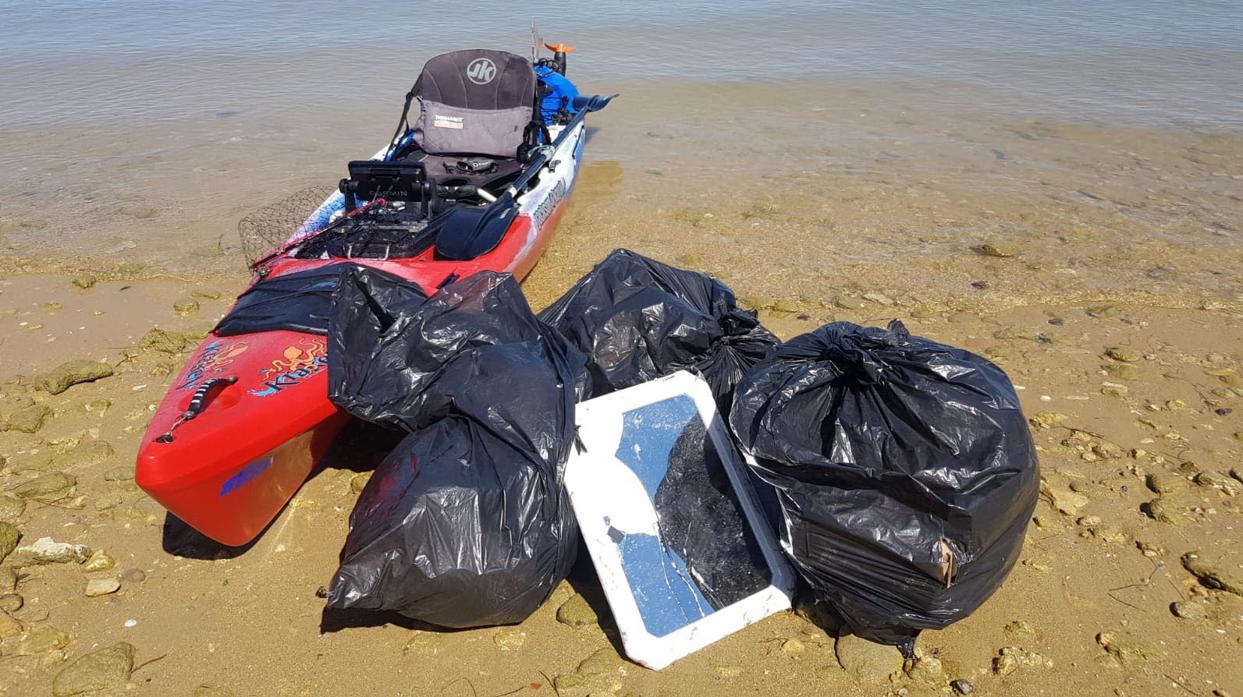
(105, 669)
(66, 375)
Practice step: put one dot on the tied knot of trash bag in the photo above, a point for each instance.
(739, 328)
(848, 353)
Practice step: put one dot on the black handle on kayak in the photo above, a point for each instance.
(202, 396)
(198, 403)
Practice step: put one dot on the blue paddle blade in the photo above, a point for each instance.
(594, 102)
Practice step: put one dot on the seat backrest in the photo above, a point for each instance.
(477, 101)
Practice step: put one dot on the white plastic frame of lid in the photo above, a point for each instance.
(599, 497)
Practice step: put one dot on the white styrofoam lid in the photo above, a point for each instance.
(665, 506)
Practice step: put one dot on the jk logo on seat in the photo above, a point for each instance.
(481, 71)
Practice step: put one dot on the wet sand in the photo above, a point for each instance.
(1040, 244)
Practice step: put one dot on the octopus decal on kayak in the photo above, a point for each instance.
(214, 358)
(297, 364)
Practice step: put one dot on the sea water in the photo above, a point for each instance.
(1149, 62)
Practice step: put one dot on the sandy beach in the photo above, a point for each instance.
(1099, 263)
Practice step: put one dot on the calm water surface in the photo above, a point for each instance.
(1142, 62)
(143, 130)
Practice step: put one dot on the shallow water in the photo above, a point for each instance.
(143, 61)
(855, 138)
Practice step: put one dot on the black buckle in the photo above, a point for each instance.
(472, 165)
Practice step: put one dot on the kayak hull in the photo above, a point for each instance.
(230, 470)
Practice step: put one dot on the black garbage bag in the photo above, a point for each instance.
(904, 468)
(466, 523)
(299, 301)
(368, 343)
(638, 319)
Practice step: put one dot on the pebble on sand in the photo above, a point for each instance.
(1165, 512)
(927, 671)
(84, 454)
(105, 669)
(1047, 419)
(510, 638)
(99, 561)
(71, 373)
(1161, 483)
(1218, 481)
(9, 537)
(359, 482)
(108, 499)
(962, 686)
(1189, 610)
(11, 508)
(604, 660)
(158, 340)
(91, 452)
(793, 647)
(1210, 576)
(11, 602)
(849, 302)
(1122, 649)
(1121, 371)
(422, 643)
(128, 514)
(186, 306)
(1001, 250)
(1062, 500)
(867, 661)
(1011, 658)
(9, 627)
(45, 550)
(124, 473)
(51, 486)
(577, 612)
(1019, 630)
(1124, 354)
(106, 585)
(1107, 450)
(27, 419)
(41, 638)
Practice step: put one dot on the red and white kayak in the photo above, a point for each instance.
(248, 418)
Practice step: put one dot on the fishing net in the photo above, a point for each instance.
(270, 227)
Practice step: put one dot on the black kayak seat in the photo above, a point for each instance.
(477, 102)
(478, 78)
